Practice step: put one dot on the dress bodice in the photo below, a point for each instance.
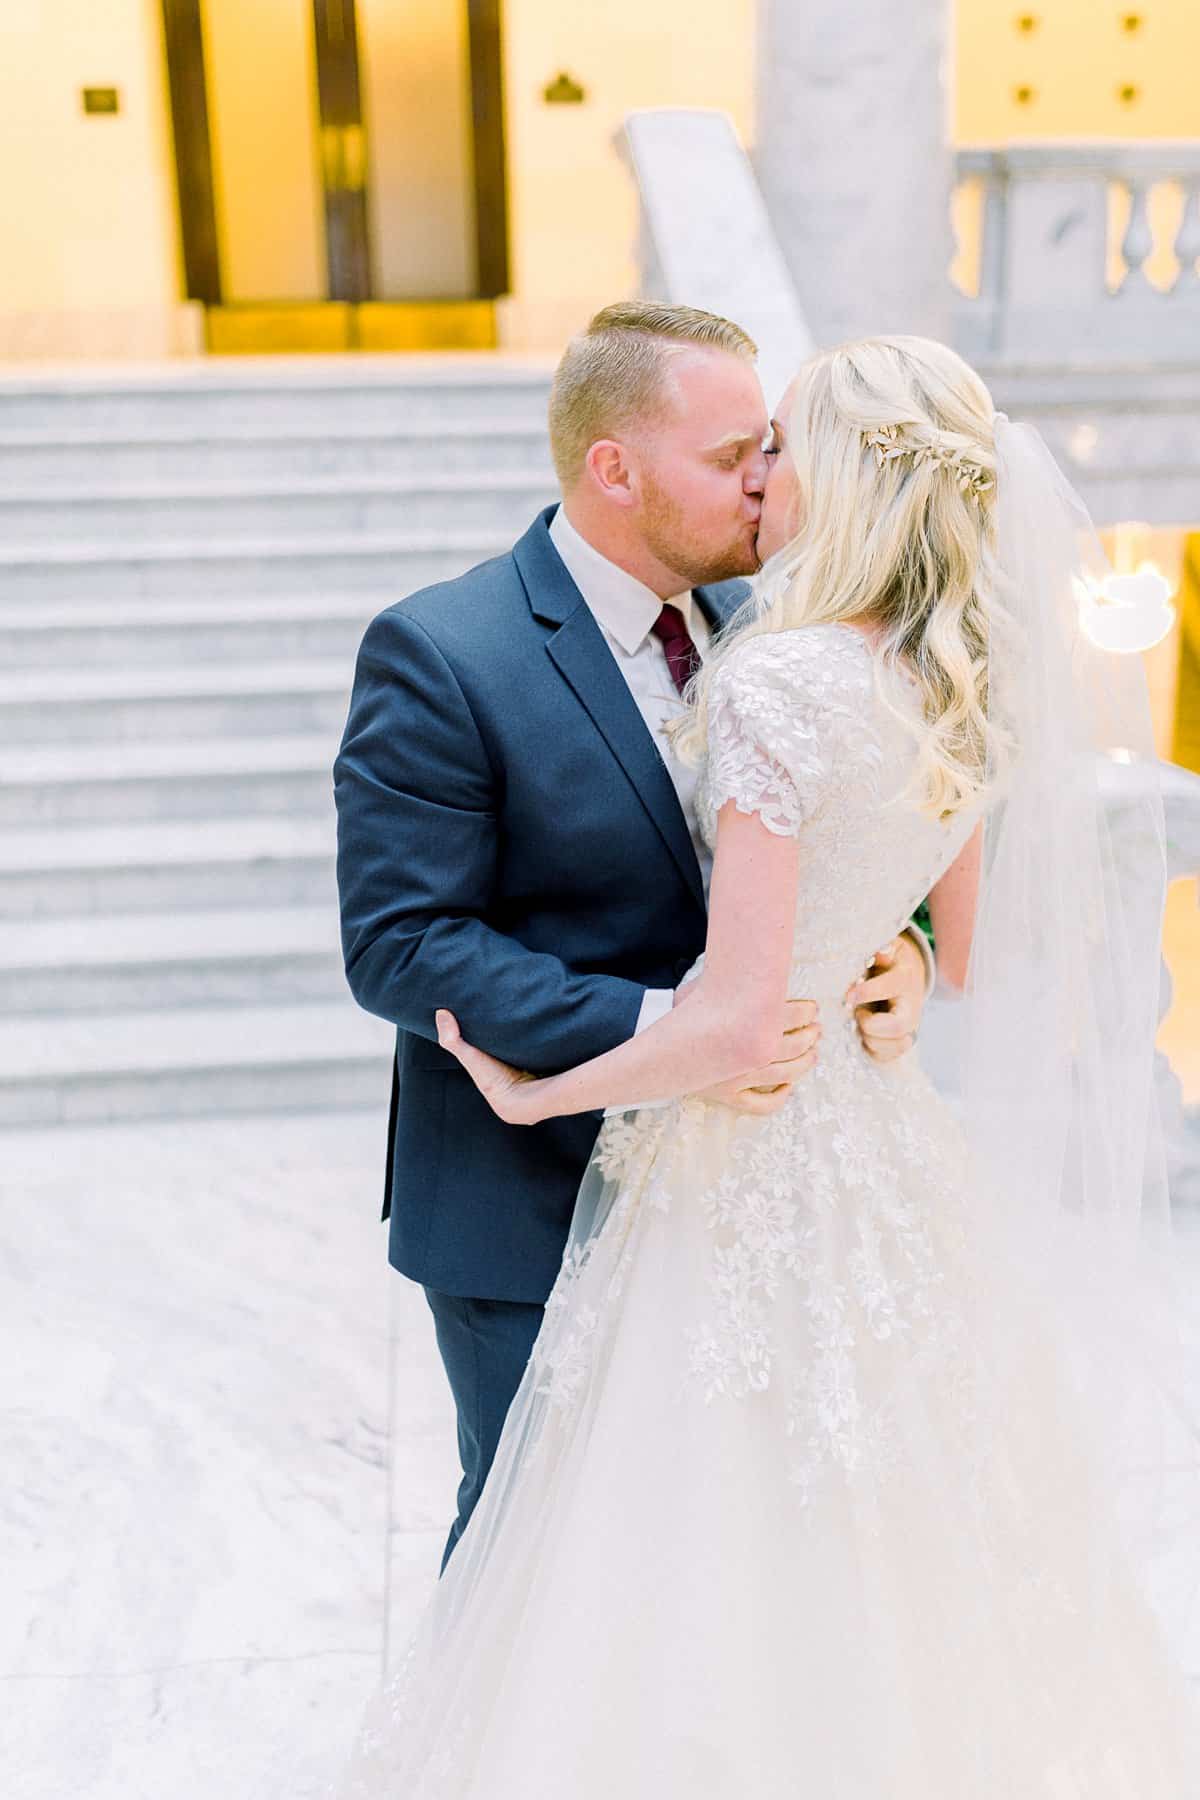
(800, 733)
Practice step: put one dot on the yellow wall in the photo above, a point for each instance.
(573, 209)
(88, 231)
(1076, 62)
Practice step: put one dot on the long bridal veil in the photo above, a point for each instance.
(1059, 1106)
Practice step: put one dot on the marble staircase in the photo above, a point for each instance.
(188, 556)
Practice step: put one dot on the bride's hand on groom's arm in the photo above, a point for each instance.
(512, 1094)
(522, 1099)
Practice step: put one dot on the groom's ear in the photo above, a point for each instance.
(608, 468)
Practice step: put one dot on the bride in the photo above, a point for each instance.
(843, 1463)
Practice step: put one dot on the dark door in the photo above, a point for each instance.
(343, 150)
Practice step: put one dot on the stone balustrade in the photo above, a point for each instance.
(1084, 253)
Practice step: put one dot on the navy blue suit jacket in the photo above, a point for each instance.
(510, 846)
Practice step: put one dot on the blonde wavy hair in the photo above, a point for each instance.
(893, 443)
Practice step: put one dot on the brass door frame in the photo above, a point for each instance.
(343, 151)
(490, 155)
(183, 40)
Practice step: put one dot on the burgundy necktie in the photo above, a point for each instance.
(683, 658)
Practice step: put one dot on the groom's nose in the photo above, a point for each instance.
(754, 480)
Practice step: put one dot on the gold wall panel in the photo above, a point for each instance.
(258, 330)
(1186, 749)
(333, 326)
(427, 325)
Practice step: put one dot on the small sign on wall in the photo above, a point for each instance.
(564, 90)
(101, 100)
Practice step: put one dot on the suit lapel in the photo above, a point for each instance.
(583, 658)
(720, 602)
(577, 648)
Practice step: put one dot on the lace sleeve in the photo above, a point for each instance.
(773, 719)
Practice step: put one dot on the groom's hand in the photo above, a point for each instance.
(887, 1002)
(763, 1091)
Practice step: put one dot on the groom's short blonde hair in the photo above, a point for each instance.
(616, 371)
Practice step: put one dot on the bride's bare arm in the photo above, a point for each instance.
(734, 1011)
(952, 905)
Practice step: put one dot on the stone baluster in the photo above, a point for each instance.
(1138, 241)
(1187, 243)
(980, 316)
(991, 268)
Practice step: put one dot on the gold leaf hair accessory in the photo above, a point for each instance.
(888, 444)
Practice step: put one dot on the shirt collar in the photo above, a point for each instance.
(622, 604)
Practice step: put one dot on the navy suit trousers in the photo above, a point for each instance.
(485, 1345)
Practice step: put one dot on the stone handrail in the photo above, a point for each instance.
(1046, 252)
(705, 236)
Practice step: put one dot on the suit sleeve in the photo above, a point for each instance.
(418, 841)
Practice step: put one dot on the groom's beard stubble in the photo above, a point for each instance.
(677, 544)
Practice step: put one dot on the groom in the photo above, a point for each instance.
(517, 843)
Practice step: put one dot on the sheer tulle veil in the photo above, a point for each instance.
(1059, 1107)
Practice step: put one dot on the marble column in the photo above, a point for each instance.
(854, 161)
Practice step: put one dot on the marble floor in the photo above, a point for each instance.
(228, 1451)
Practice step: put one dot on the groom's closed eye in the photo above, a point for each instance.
(732, 450)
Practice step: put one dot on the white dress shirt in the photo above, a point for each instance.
(625, 609)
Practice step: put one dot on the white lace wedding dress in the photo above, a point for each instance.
(742, 1539)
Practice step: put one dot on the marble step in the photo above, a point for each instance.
(171, 629)
(192, 567)
(302, 509)
(216, 395)
(136, 961)
(192, 1061)
(33, 463)
(81, 703)
(181, 866)
(78, 784)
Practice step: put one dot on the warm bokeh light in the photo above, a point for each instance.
(1127, 613)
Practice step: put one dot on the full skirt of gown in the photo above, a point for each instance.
(765, 1522)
